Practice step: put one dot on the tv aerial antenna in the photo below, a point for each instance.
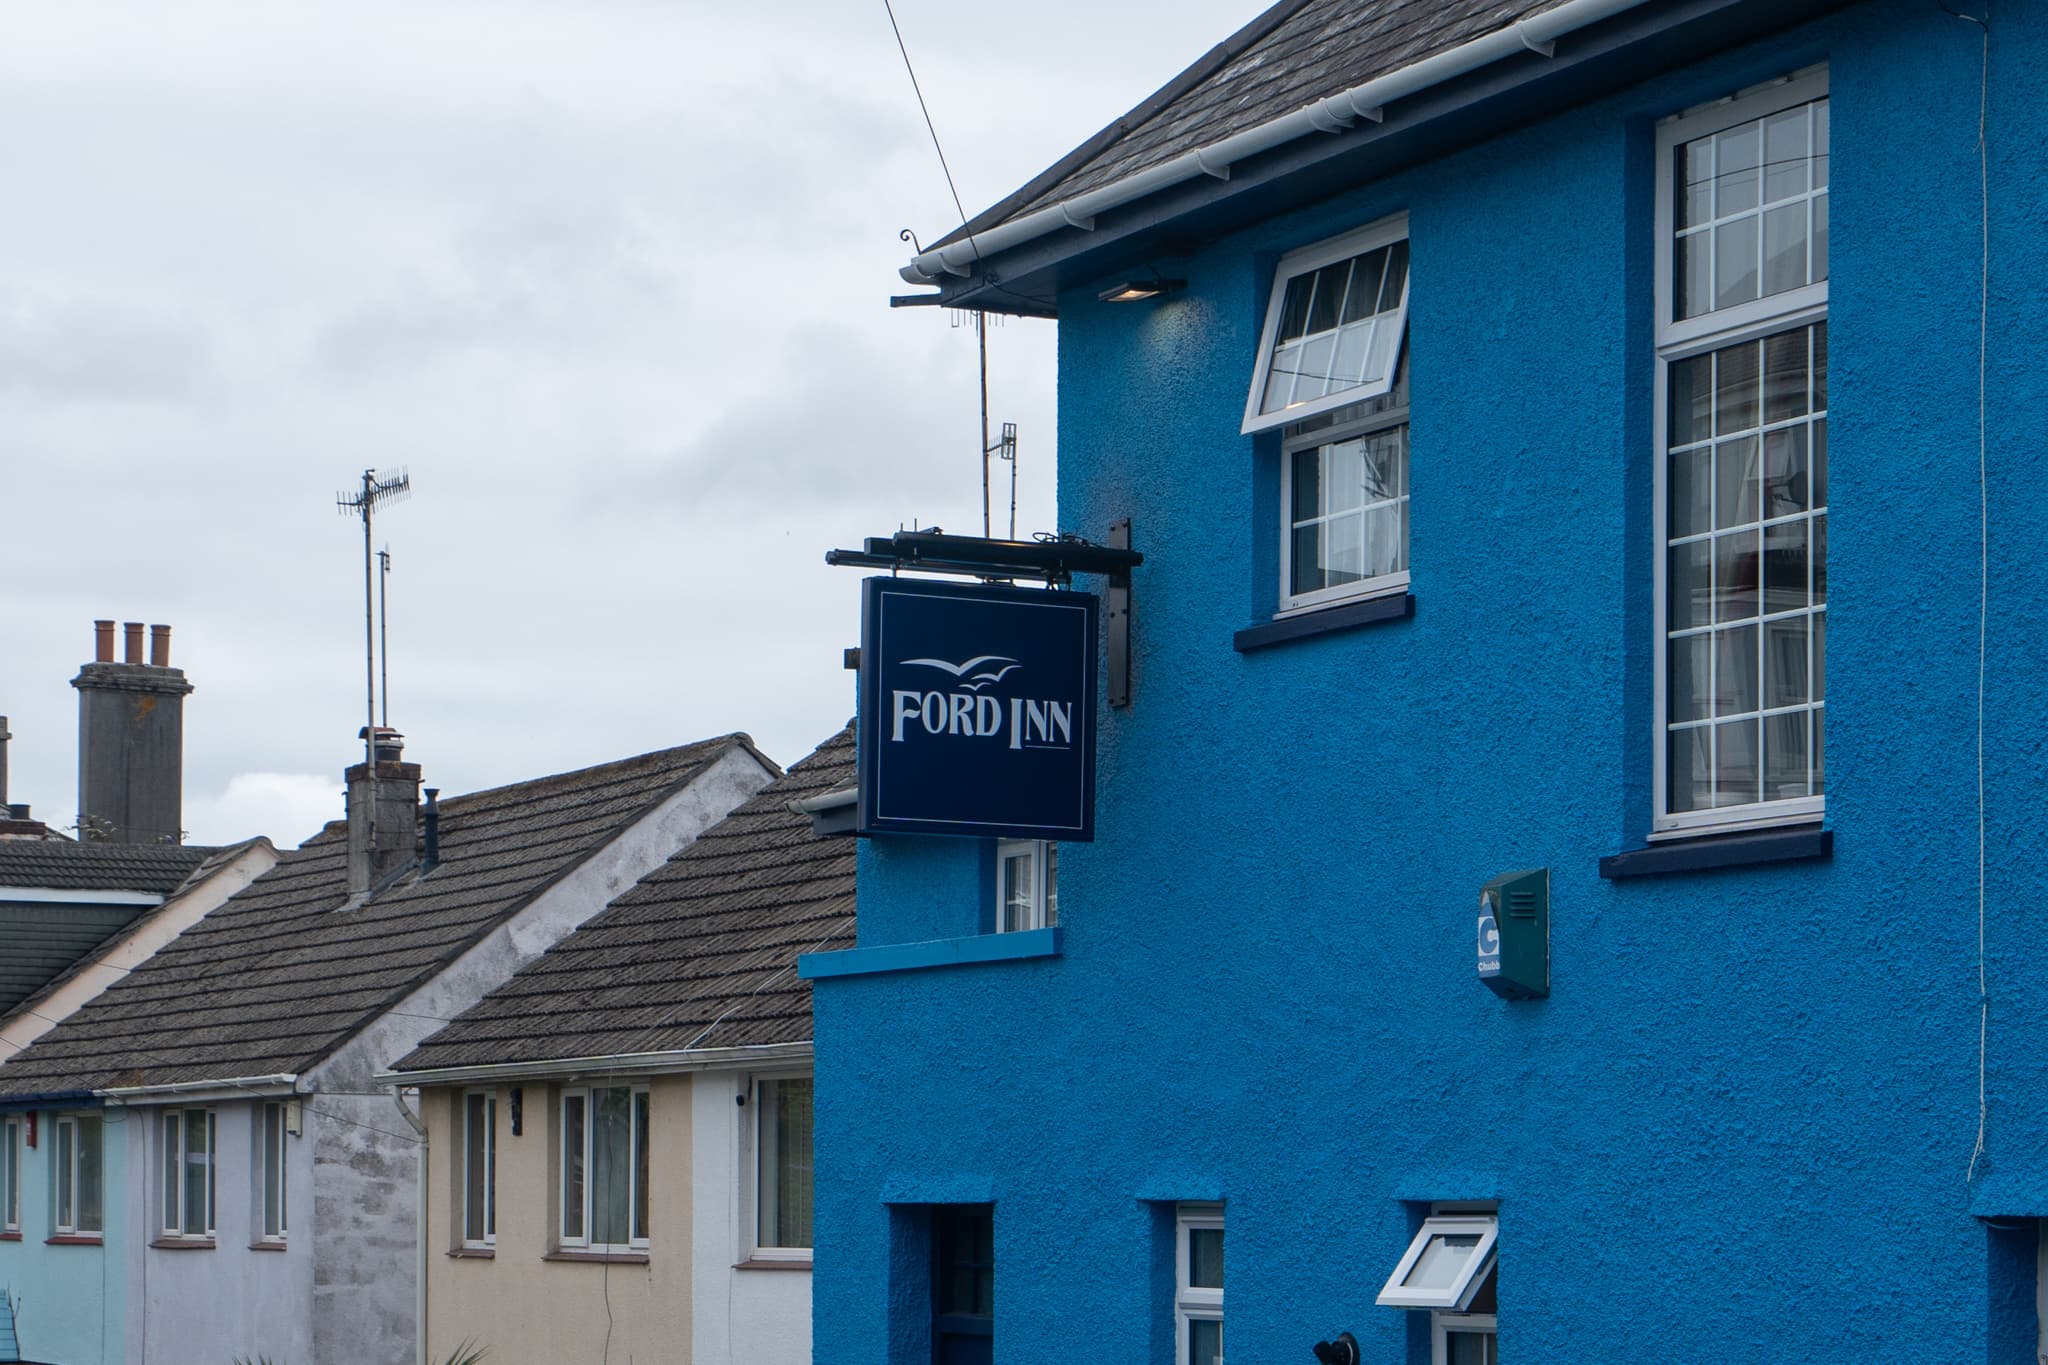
(375, 492)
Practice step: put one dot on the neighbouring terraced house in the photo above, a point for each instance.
(197, 1163)
(620, 1135)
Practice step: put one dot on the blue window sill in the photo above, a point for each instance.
(1715, 852)
(1327, 621)
(941, 952)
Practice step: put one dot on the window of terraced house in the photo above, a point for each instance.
(188, 1142)
(605, 1132)
(782, 1168)
(78, 1197)
(480, 1168)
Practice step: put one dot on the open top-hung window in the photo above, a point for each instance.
(1333, 326)
(1742, 502)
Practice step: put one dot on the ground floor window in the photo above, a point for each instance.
(188, 1171)
(78, 1200)
(270, 1167)
(604, 1173)
(480, 1169)
(1449, 1268)
(10, 1175)
(782, 1167)
(1198, 1284)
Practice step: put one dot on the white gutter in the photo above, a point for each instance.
(230, 1088)
(637, 1063)
(1338, 112)
(824, 801)
(419, 1300)
(43, 895)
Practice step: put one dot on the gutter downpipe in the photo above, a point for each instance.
(1331, 115)
(419, 1303)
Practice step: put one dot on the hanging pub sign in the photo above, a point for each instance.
(977, 710)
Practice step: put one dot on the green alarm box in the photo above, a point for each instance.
(1514, 934)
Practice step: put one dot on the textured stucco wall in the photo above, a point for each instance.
(531, 1311)
(1739, 1129)
(231, 1301)
(71, 1301)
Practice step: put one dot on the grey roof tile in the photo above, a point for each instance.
(1293, 54)
(701, 953)
(60, 865)
(280, 975)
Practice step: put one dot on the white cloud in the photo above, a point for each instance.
(611, 279)
(289, 808)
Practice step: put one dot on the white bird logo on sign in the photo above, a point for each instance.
(974, 681)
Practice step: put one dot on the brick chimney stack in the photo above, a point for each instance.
(397, 804)
(131, 741)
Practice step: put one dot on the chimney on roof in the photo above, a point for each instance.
(131, 741)
(387, 802)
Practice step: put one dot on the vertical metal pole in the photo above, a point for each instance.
(981, 344)
(384, 631)
(370, 666)
(1010, 440)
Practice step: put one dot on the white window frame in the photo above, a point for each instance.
(271, 1157)
(637, 1241)
(64, 1223)
(1192, 1303)
(1044, 886)
(489, 1239)
(752, 1248)
(1441, 1325)
(171, 1207)
(1678, 340)
(1456, 1296)
(10, 1174)
(1382, 585)
(1371, 237)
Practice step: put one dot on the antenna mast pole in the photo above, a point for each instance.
(384, 619)
(364, 505)
(981, 344)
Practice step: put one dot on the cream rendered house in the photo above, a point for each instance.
(619, 1146)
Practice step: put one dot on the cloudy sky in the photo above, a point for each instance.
(609, 276)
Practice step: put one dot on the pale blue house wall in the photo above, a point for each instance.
(1740, 1128)
(71, 1301)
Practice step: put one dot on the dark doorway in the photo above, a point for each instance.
(963, 1284)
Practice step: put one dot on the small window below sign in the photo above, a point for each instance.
(1445, 1264)
(1027, 885)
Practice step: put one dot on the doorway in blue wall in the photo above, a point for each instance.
(963, 1284)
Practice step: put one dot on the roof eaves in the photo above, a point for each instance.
(1205, 66)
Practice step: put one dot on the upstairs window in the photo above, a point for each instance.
(1344, 502)
(79, 1209)
(1027, 885)
(1334, 326)
(1742, 461)
(188, 1171)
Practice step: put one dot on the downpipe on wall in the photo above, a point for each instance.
(419, 1291)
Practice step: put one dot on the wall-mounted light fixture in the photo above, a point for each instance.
(1130, 291)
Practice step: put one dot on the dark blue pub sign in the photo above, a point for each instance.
(977, 710)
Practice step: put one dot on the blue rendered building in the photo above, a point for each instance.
(1469, 397)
